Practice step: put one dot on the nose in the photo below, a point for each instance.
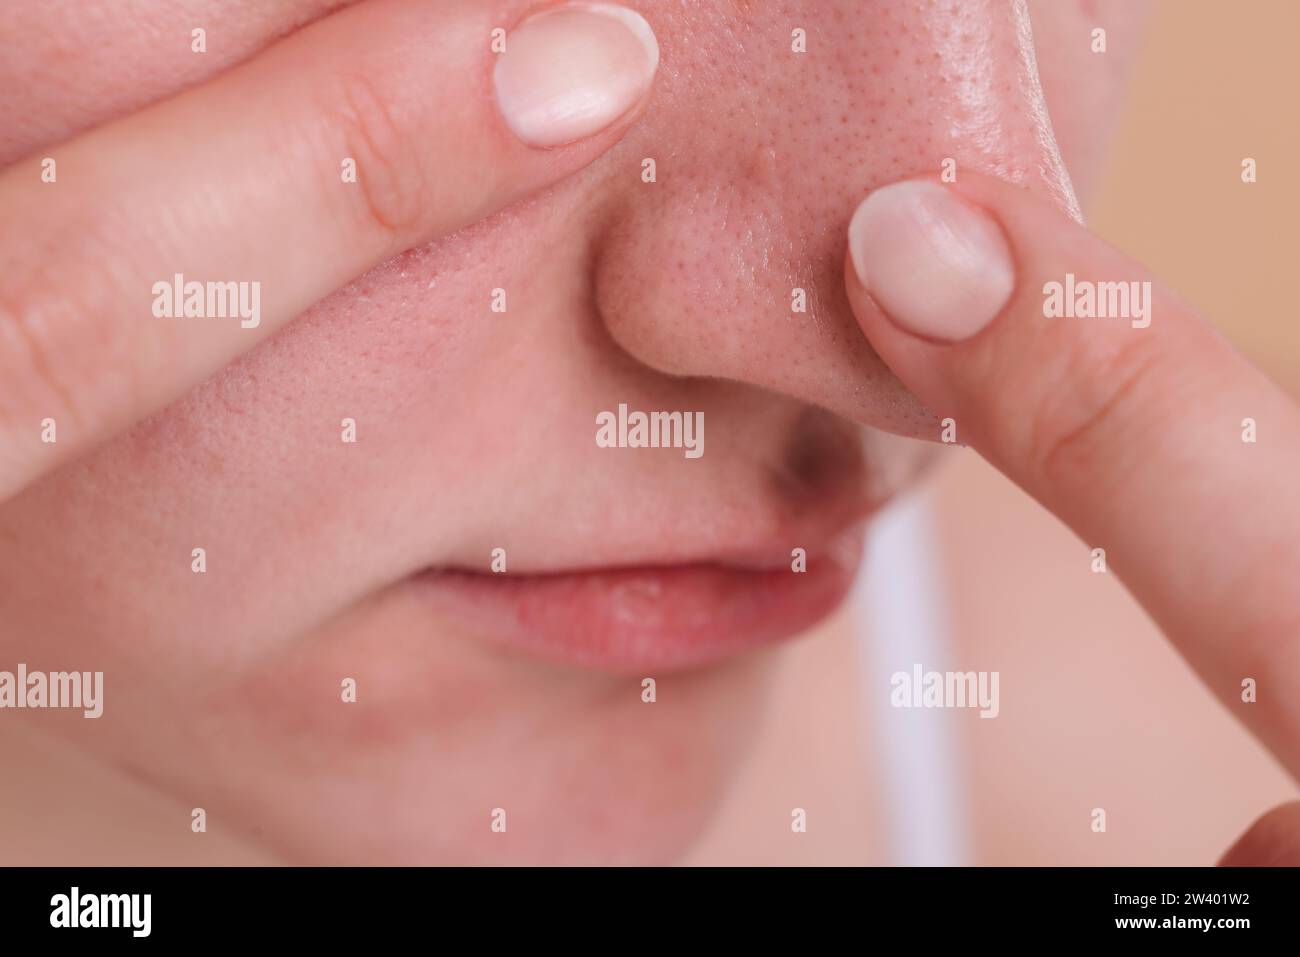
(724, 257)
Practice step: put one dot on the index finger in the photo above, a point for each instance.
(1081, 377)
(141, 257)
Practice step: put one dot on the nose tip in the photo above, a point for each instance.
(730, 264)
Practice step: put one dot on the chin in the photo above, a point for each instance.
(451, 738)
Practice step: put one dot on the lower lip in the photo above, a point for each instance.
(625, 620)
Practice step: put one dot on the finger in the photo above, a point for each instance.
(1132, 429)
(244, 186)
(1272, 841)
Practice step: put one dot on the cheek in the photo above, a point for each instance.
(761, 155)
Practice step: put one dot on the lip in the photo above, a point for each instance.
(650, 617)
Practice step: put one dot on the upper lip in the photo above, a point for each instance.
(807, 481)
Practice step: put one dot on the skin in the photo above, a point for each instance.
(224, 687)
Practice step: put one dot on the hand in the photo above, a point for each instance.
(244, 179)
(1145, 432)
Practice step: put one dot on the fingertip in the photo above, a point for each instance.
(572, 71)
(938, 266)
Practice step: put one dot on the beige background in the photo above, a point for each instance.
(1104, 713)
(1219, 80)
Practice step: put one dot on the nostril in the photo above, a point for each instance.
(822, 454)
(840, 471)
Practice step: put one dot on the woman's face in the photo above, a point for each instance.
(476, 430)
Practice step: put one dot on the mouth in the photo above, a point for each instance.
(650, 618)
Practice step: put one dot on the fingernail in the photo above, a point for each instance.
(573, 70)
(938, 266)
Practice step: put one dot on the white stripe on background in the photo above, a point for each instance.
(901, 614)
